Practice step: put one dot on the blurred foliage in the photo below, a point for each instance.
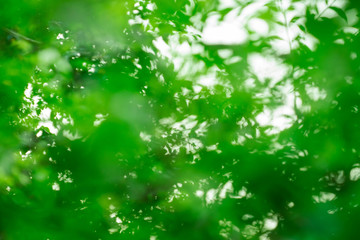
(124, 120)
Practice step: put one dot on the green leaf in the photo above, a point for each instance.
(294, 19)
(302, 28)
(274, 37)
(340, 12)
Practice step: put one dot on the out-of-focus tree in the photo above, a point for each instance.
(179, 119)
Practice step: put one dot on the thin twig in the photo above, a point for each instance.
(287, 26)
(280, 4)
(327, 7)
(18, 35)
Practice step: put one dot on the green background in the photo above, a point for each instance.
(103, 137)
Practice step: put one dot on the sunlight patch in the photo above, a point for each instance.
(228, 31)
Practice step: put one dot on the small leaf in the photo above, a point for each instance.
(291, 8)
(317, 9)
(294, 19)
(302, 28)
(340, 12)
(274, 37)
(224, 12)
(280, 23)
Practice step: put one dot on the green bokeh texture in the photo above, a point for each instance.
(104, 137)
